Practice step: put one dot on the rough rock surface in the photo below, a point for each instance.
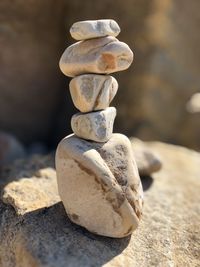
(96, 126)
(105, 178)
(101, 55)
(167, 236)
(93, 92)
(89, 29)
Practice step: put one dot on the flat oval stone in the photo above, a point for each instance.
(89, 29)
(99, 184)
(101, 55)
(93, 92)
(96, 126)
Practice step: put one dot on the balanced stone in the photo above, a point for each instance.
(93, 92)
(101, 55)
(99, 184)
(88, 29)
(96, 126)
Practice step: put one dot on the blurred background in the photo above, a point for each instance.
(158, 95)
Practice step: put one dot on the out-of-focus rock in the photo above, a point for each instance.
(10, 149)
(167, 236)
(146, 159)
(193, 105)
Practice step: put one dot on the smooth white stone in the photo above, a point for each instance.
(89, 29)
(96, 126)
(101, 55)
(93, 92)
(99, 184)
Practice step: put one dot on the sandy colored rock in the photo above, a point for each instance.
(93, 92)
(42, 186)
(146, 159)
(101, 55)
(105, 179)
(168, 234)
(89, 29)
(96, 126)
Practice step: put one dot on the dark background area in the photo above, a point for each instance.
(153, 95)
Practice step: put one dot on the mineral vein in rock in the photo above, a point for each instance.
(97, 176)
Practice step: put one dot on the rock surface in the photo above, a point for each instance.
(89, 29)
(93, 92)
(105, 179)
(101, 55)
(96, 126)
(167, 236)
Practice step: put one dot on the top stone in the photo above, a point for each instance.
(88, 29)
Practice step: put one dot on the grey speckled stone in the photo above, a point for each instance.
(93, 92)
(96, 126)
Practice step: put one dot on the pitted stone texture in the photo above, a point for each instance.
(96, 126)
(89, 29)
(93, 92)
(99, 184)
(101, 55)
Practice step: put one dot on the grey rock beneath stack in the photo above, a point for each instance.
(89, 29)
(101, 55)
(167, 236)
(93, 92)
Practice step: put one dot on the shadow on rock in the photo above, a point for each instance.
(147, 182)
(54, 239)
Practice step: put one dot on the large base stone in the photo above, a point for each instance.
(99, 184)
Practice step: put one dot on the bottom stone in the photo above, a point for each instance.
(99, 184)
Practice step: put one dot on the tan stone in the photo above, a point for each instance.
(101, 55)
(89, 29)
(106, 181)
(96, 126)
(92, 92)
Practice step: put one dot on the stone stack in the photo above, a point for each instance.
(97, 176)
